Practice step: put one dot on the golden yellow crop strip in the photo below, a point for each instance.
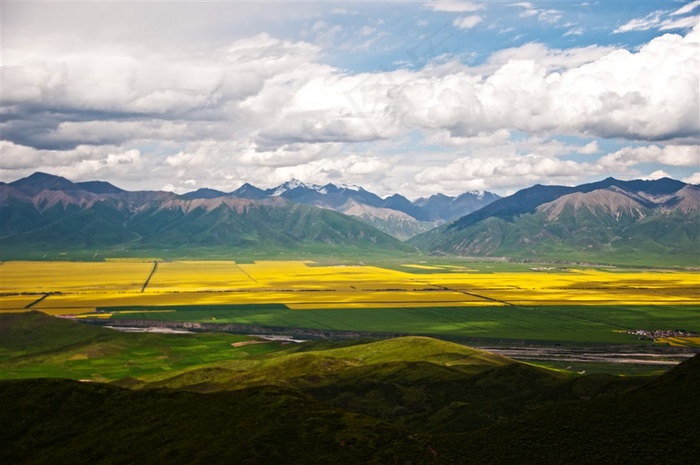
(119, 283)
(68, 311)
(18, 276)
(18, 302)
(199, 275)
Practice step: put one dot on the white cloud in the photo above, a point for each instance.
(590, 148)
(575, 31)
(262, 109)
(616, 95)
(550, 58)
(663, 20)
(546, 15)
(454, 6)
(641, 24)
(467, 22)
(505, 172)
(687, 8)
(671, 155)
(681, 23)
(658, 174)
(82, 163)
(693, 178)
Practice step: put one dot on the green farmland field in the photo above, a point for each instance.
(596, 324)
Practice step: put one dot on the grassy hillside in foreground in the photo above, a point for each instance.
(419, 383)
(59, 421)
(654, 424)
(66, 422)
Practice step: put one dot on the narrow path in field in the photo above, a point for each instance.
(473, 294)
(30, 305)
(155, 267)
(246, 273)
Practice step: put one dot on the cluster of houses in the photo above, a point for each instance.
(659, 333)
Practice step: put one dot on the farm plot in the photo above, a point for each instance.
(80, 288)
(17, 302)
(300, 276)
(47, 277)
(193, 276)
(599, 324)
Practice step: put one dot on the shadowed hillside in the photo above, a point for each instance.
(403, 400)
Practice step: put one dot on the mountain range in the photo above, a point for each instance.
(395, 215)
(628, 221)
(49, 212)
(610, 221)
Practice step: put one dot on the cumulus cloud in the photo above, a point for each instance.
(82, 163)
(261, 109)
(615, 95)
(467, 22)
(550, 58)
(693, 178)
(658, 174)
(505, 172)
(671, 155)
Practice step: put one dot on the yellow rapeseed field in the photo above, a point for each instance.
(45, 277)
(77, 288)
(199, 276)
(16, 302)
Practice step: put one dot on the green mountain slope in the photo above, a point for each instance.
(610, 222)
(45, 213)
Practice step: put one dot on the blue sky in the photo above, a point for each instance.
(408, 97)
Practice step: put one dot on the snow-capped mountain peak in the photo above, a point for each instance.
(287, 186)
(292, 184)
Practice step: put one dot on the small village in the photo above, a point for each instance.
(661, 333)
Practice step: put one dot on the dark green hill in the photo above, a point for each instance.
(67, 422)
(657, 423)
(56, 421)
(404, 400)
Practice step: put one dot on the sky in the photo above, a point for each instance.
(412, 97)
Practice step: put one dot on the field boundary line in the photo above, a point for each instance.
(473, 295)
(246, 273)
(153, 271)
(31, 304)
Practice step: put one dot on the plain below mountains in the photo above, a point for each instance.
(611, 221)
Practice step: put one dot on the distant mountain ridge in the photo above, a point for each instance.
(395, 215)
(609, 219)
(408, 218)
(49, 212)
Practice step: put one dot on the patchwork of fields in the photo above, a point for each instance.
(469, 299)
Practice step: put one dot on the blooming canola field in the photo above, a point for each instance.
(83, 287)
(472, 300)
